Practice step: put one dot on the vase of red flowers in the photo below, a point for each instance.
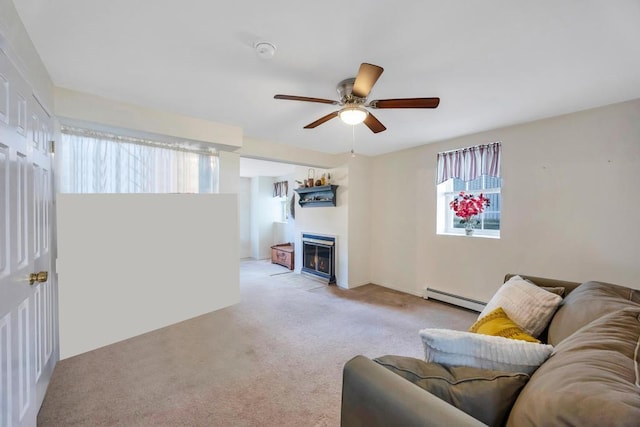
(467, 207)
(468, 229)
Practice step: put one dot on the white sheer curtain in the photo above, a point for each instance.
(93, 162)
(469, 163)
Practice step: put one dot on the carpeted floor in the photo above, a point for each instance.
(275, 359)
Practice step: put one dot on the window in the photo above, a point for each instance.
(284, 209)
(95, 162)
(281, 191)
(473, 170)
(489, 220)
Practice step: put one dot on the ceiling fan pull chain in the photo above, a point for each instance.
(353, 140)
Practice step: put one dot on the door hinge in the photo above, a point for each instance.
(52, 147)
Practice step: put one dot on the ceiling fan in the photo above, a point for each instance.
(353, 100)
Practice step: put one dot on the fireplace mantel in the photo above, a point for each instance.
(324, 195)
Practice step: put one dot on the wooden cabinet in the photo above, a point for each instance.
(283, 254)
(317, 196)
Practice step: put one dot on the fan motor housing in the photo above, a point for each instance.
(345, 89)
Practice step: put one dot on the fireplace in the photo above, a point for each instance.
(318, 256)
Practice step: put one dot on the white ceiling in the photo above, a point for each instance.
(492, 63)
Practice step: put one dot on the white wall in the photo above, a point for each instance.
(569, 208)
(259, 210)
(261, 149)
(349, 220)
(327, 220)
(321, 162)
(264, 211)
(359, 220)
(132, 263)
(84, 107)
(229, 172)
(244, 208)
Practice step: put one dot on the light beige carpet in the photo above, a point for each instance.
(275, 359)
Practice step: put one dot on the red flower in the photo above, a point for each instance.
(466, 206)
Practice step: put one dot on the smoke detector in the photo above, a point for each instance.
(265, 50)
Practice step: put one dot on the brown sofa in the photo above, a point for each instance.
(590, 379)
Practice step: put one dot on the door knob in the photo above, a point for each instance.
(40, 277)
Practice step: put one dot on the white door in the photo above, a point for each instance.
(28, 312)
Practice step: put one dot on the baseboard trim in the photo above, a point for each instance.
(458, 300)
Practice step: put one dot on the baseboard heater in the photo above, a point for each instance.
(454, 299)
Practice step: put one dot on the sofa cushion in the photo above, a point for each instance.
(486, 395)
(498, 324)
(530, 306)
(590, 380)
(588, 302)
(458, 348)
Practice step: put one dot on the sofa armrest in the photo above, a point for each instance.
(374, 396)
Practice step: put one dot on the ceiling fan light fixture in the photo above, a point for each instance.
(353, 115)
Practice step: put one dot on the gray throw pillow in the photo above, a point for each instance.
(586, 303)
(589, 380)
(484, 394)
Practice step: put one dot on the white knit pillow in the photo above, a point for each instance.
(457, 348)
(528, 305)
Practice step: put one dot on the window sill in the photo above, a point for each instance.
(474, 235)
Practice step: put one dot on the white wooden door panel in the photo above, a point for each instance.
(37, 325)
(4, 211)
(27, 312)
(41, 204)
(6, 383)
(24, 361)
(4, 99)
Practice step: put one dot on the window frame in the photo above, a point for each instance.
(167, 163)
(446, 217)
(284, 209)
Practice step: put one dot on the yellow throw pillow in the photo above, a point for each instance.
(498, 324)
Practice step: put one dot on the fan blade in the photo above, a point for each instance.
(367, 76)
(305, 98)
(321, 120)
(405, 103)
(374, 124)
